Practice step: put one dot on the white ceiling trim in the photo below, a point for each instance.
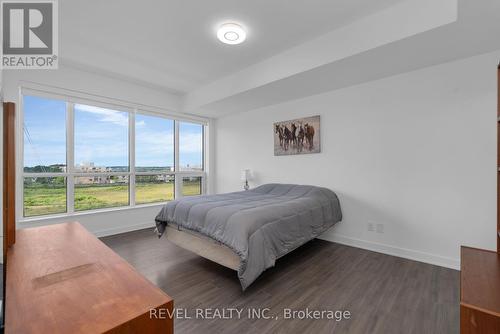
(96, 62)
(390, 25)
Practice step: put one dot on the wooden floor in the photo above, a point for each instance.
(384, 294)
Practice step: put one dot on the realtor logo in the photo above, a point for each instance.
(29, 34)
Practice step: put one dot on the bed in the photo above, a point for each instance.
(248, 231)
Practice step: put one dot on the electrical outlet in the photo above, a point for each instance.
(370, 227)
(380, 228)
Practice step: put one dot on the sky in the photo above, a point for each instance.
(101, 137)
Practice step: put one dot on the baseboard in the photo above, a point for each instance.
(123, 229)
(333, 237)
(394, 251)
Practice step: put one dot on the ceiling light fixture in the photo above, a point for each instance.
(231, 33)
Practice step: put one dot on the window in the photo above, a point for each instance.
(79, 157)
(44, 154)
(154, 188)
(154, 156)
(154, 144)
(44, 195)
(101, 140)
(101, 151)
(44, 135)
(105, 191)
(191, 186)
(190, 146)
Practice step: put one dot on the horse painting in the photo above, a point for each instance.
(298, 136)
(279, 131)
(309, 133)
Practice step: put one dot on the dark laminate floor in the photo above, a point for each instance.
(384, 294)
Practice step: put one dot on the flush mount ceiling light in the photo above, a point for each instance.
(231, 33)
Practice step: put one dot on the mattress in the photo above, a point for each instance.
(260, 224)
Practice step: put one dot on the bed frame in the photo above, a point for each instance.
(203, 246)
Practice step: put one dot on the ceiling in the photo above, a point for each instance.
(173, 45)
(294, 48)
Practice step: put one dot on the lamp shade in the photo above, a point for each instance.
(245, 174)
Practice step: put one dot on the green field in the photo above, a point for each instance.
(43, 199)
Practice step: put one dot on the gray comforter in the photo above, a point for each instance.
(260, 225)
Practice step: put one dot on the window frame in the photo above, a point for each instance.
(71, 98)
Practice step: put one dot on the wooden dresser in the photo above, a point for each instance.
(479, 291)
(62, 279)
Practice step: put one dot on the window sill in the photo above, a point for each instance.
(30, 220)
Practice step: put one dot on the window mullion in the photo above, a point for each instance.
(131, 159)
(70, 157)
(204, 150)
(178, 178)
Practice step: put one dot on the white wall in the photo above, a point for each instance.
(416, 152)
(114, 221)
(90, 83)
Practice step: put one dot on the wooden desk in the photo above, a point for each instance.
(62, 279)
(479, 291)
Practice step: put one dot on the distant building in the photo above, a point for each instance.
(90, 167)
(189, 167)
